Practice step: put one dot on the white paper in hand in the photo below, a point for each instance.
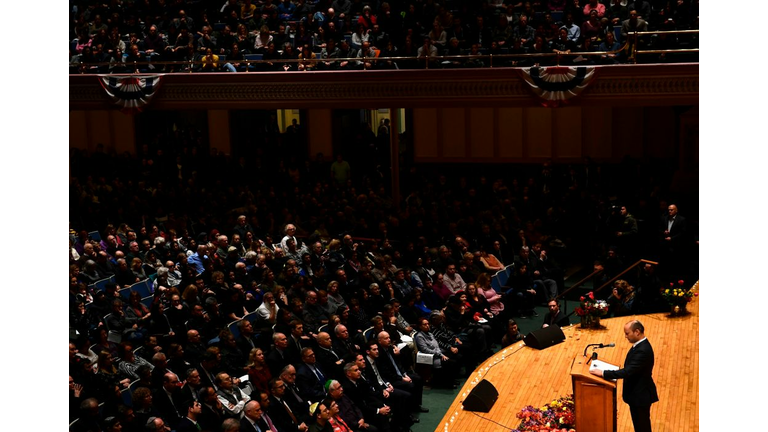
(603, 366)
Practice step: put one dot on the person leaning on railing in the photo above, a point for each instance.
(210, 61)
(427, 51)
(610, 44)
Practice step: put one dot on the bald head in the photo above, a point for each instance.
(253, 410)
(324, 339)
(383, 339)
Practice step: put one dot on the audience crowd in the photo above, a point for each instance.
(220, 36)
(296, 296)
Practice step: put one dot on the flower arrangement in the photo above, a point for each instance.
(678, 295)
(591, 307)
(556, 416)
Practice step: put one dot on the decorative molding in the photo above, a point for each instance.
(676, 84)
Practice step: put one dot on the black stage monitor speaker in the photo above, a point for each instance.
(545, 337)
(481, 398)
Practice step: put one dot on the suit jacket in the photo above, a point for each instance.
(168, 409)
(186, 425)
(310, 386)
(245, 345)
(560, 319)
(385, 366)
(363, 395)
(300, 407)
(676, 232)
(210, 419)
(349, 411)
(246, 426)
(344, 347)
(186, 394)
(276, 361)
(327, 361)
(280, 416)
(639, 388)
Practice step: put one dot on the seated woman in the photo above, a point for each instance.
(289, 54)
(592, 29)
(159, 322)
(443, 367)
(512, 335)
(108, 376)
(622, 299)
(490, 262)
(210, 61)
(258, 371)
(137, 269)
(263, 40)
(494, 299)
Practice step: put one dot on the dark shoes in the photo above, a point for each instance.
(423, 409)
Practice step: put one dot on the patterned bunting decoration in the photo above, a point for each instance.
(131, 93)
(555, 85)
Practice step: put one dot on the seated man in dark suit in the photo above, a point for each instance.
(343, 344)
(555, 316)
(253, 420)
(212, 410)
(309, 377)
(391, 369)
(299, 405)
(277, 357)
(331, 362)
(248, 339)
(286, 418)
(189, 423)
(396, 398)
(167, 400)
(375, 410)
(192, 385)
(348, 411)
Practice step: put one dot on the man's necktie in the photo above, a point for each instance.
(290, 413)
(269, 422)
(394, 363)
(319, 374)
(376, 372)
(296, 394)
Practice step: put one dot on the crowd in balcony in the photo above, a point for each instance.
(307, 278)
(207, 36)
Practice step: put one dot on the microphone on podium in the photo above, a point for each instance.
(596, 346)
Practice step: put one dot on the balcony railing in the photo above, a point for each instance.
(629, 50)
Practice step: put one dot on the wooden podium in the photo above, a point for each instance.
(594, 397)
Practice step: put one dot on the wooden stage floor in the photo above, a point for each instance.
(526, 376)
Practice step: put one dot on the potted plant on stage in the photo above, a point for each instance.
(590, 311)
(678, 297)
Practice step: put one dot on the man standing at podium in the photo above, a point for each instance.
(639, 389)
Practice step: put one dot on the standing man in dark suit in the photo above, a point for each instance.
(555, 315)
(639, 389)
(673, 230)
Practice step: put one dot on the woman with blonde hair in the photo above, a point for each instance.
(258, 371)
